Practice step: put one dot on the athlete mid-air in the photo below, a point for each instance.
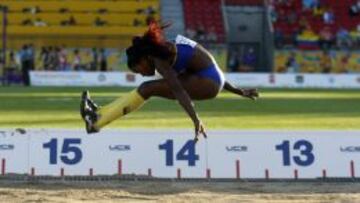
(189, 72)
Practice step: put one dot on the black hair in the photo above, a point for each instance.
(152, 43)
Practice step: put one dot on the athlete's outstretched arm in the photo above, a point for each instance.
(180, 94)
(249, 93)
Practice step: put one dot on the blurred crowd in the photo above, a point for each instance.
(52, 58)
(242, 60)
(326, 61)
(201, 35)
(325, 33)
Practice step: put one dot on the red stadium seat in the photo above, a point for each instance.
(204, 12)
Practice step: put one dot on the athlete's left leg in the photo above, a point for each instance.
(198, 88)
(97, 117)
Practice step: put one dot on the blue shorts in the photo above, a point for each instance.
(214, 73)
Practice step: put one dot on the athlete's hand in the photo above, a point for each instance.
(250, 93)
(199, 129)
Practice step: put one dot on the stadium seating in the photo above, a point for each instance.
(206, 13)
(83, 19)
(80, 5)
(118, 17)
(340, 9)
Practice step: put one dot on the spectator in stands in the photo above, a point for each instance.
(69, 22)
(309, 4)
(12, 60)
(53, 62)
(140, 11)
(150, 11)
(327, 38)
(2, 57)
(344, 63)
(211, 35)
(77, 60)
(63, 22)
(33, 10)
(102, 10)
(356, 36)
(282, 17)
(103, 60)
(343, 38)
(249, 61)
(326, 62)
(99, 22)
(318, 10)
(200, 33)
(31, 51)
(137, 22)
(233, 62)
(2, 66)
(289, 4)
(278, 38)
(307, 35)
(190, 33)
(39, 23)
(292, 66)
(44, 57)
(328, 16)
(27, 21)
(291, 17)
(95, 59)
(47, 58)
(25, 59)
(72, 21)
(303, 24)
(11, 71)
(273, 13)
(354, 9)
(63, 10)
(63, 62)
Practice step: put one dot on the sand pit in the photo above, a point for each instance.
(136, 191)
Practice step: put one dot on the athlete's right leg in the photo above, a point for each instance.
(198, 88)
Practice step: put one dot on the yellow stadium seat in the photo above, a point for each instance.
(86, 31)
(81, 18)
(80, 6)
(119, 16)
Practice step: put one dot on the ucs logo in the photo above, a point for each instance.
(236, 148)
(119, 147)
(350, 149)
(6, 147)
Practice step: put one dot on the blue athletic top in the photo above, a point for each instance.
(185, 50)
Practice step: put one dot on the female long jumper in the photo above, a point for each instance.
(189, 73)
